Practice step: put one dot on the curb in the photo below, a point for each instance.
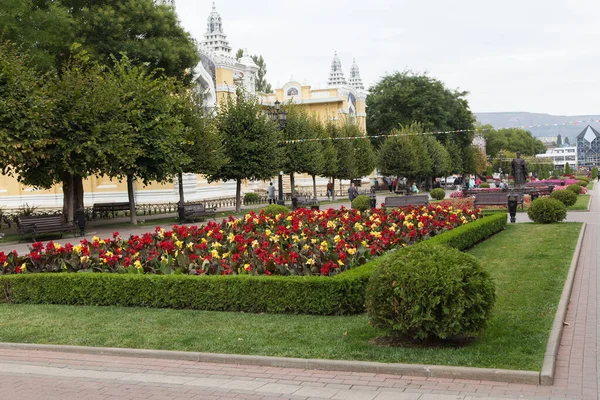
(549, 364)
(433, 371)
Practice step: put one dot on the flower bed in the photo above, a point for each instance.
(303, 242)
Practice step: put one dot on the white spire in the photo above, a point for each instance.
(355, 80)
(336, 76)
(215, 38)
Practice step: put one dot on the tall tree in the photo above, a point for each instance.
(403, 98)
(441, 164)
(567, 141)
(346, 162)
(251, 142)
(558, 140)
(330, 156)
(302, 152)
(261, 82)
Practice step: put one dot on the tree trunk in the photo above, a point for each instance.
(333, 186)
(315, 185)
(293, 183)
(238, 195)
(180, 179)
(77, 192)
(68, 198)
(131, 195)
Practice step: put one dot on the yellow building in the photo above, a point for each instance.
(218, 74)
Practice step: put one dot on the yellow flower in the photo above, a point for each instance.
(231, 237)
(310, 261)
(331, 224)
(56, 246)
(364, 243)
(340, 262)
(358, 227)
(77, 249)
(336, 239)
(420, 225)
(255, 243)
(225, 255)
(352, 251)
(247, 267)
(268, 232)
(95, 239)
(179, 244)
(137, 264)
(23, 266)
(5, 264)
(295, 238)
(102, 242)
(324, 246)
(109, 254)
(313, 241)
(215, 254)
(306, 247)
(204, 240)
(84, 259)
(190, 245)
(376, 234)
(216, 245)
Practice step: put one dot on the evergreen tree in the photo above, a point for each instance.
(558, 140)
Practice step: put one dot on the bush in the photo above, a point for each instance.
(251, 197)
(430, 292)
(574, 188)
(485, 185)
(594, 172)
(275, 209)
(438, 194)
(547, 210)
(584, 178)
(361, 203)
(567, 197)
(343, 294)
(582, 183)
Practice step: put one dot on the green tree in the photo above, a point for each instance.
(346, 162)
(261, 83)
(568, 170)
(405, 155)
(403, 98)
(239, 54)
(250, 140)
(317, 165)
(302, 152)
(567, 141)
(494, 140)
(441, 165)
(558, 140)
(43, 29)
(24, 112)
(330, 156)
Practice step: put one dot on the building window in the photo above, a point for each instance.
(292, 91)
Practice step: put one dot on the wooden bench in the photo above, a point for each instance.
(403, 201)
(496, 199)
(305, 202)
(102, 209)
(35, 225)
(194, 211)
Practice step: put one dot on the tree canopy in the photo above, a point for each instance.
(512, 139)
(403, 98)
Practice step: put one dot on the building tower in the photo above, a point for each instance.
(214, 38)
(336, 76)
(355, 80)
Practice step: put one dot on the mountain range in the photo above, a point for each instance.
(570, 129)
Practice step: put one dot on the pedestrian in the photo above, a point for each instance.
(395, 184)
(352, 192)
(471, 183)
(329, 189)
(477, 182)
(598, 176)
(437, 184)
(414, 188)
(389, 183)
(271, 193)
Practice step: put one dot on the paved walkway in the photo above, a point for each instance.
(30, 374)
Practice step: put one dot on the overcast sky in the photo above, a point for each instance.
(527, 55)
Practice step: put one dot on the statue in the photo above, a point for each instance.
(519, 171)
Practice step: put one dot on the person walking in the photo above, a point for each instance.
(271, 193)
(329, 189)
(352, 192)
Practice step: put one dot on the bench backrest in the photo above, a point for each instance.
(194, 207)
(400, 201)
(501, 197)
(40, 220)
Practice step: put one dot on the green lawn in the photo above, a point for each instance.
(529, 276)
(582, 203)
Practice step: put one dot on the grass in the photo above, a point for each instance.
(583, 200)
(529, 275)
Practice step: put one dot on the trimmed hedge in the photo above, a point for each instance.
(438, 194)
(361, 202)
(342, 294)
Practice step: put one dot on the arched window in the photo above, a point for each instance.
(292, 91)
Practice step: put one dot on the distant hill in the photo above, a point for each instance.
(514, 119)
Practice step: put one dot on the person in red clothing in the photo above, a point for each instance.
(477, 182)
(395, 184)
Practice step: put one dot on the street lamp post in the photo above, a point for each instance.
(280, 118)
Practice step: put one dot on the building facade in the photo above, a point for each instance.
(560, 156)
(588, 148)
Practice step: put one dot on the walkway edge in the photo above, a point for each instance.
(549, 365)
(434, 371)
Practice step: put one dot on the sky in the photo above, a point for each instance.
(528, 55)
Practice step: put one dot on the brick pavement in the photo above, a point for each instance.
(28, 374)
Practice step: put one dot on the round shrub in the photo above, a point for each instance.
(584, 178)
(574, 188)
(582, 183)
(361, 203)
(547, 210)
(251, 197)
(275, 209)
(438, 194)
(430, 292)
(567, 197)
(485, 185)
